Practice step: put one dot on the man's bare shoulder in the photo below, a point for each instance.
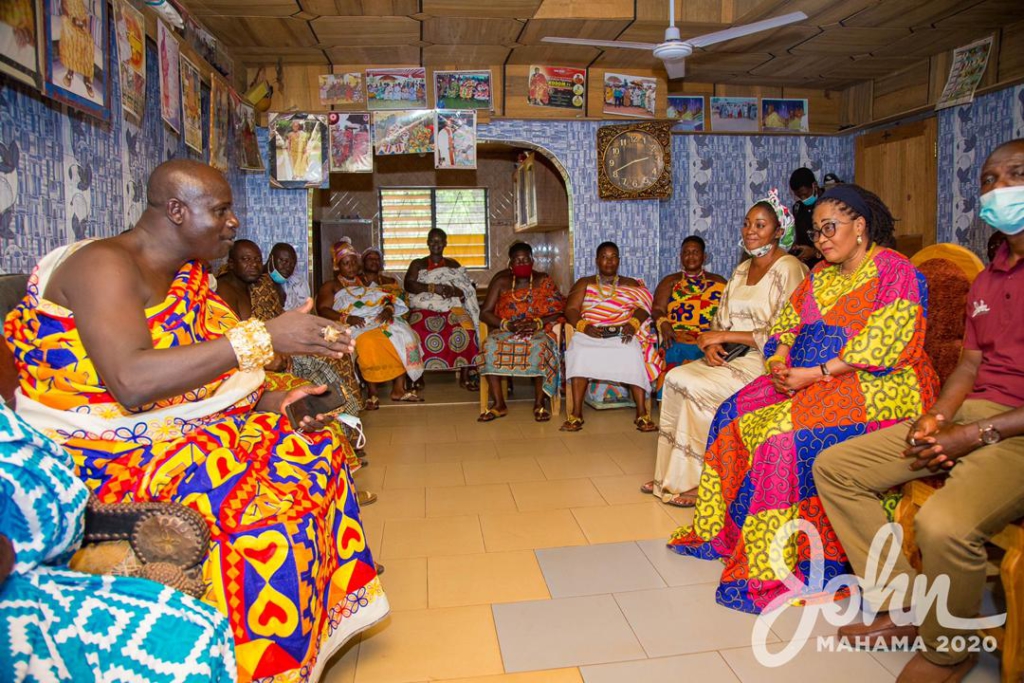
(582, 283)
(79, 271)
(452, 263)
(670, 280)
(629, 281)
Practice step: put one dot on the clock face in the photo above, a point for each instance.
(633, 161)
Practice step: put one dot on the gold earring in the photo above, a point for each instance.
(860, 239)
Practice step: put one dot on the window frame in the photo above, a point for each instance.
(433, 215)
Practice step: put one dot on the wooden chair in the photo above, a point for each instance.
(485, 390)
(950, 269)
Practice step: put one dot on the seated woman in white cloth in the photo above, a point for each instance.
(758, 289)
(614, 342)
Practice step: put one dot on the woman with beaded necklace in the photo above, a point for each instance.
(757, 290)
(845, 357)
(521, 306)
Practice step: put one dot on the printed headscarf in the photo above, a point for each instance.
(341, 249)
(373, 250)
(786, 220)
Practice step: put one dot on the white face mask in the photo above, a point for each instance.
(355, 423)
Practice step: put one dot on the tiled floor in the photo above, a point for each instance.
(519, 554)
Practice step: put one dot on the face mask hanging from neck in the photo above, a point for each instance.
(277, 277)
(1003, 209)
(809, 201)
(760, 251)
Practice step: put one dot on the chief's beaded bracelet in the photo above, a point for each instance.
(252, 344)
(773, 359)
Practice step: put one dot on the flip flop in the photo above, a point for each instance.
(647, 488)
(366, 498)
(372, 403)
(409, 397)
(491, 414)
(644, 424)
(573, 424)
(683, 500)
(541, 414)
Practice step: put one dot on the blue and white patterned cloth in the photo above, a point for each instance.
(61, 625)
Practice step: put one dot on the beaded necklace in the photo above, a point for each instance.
(692, 285)
(529, 290)
(600, 287)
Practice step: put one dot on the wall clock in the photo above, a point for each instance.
(634, 161)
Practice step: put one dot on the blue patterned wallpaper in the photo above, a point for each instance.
(967, 135)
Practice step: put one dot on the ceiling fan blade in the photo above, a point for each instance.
(675, 68)
(604, 44)
(746, 29)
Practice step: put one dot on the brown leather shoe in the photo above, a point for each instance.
(920, 670)
(881, 630)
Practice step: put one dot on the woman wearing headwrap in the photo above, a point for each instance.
(845, 357)
(758, 289)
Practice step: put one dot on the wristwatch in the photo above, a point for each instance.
(989, 435)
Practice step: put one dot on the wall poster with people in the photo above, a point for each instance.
(784, 115)
(19, 40)
(396, 88)
(191, 105)
(462, 90)
(131, 57)
(633, 96)
(734, 114)
(965, 74)
(351, 148)
(249, 158)
(342, 89)
(688, 111)
(220, 105)
(403, 132)
(455, 139)
(75, 38)
(561, 87)
(170, 80)
(296, 158)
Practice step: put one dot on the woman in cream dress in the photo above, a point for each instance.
(756, 292)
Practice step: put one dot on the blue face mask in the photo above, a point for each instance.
(1003, 209)
(810, 200)
(277, 277)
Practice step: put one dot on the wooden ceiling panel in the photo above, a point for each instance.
(583, 9)
(571, 28)
(819, 12)
(471, 31)
(465, 56)
(864, 69)
(384, 56)
(837, 40)
(292, 55)
(654, 31)
(692, 11)
(360, 8)
(554, 55)
(236, 8)
(728, 62)
(924, 42)
(991, 14)
(514, 9)
(267, 32)
(775, 42)
(366, 31)
(906, 13)
(629, 59)
(788, 67)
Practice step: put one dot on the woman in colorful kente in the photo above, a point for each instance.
(156, 390)
(846, 357)
(521, 307)
(757, 291)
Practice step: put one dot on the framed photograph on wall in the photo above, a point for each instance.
(562, 87)
(297, 144)
(19, 40)
(403, 132)
(131, 57)
(220, 105)
(76, 65)
(396, 88)
(779, 115)
(249, 158)
(191, 105)
(462, 90)
(170, 80)
(344, 88)
(734, 114)
(455, 140)
(351, 146)
(688, 110)
(633, 96)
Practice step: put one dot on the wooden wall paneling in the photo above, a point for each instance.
(366, 31)
(585, 9)
(299, 89)
(904, 90)
(238, 75)
(465, 56)
(516, 9)
(517, 88)
(592, 29)
(688, 87)
(551, 55)
(729, 90)
(265, 32)
(254, 56)
(823, 107)
(393, 55)
(471, 31)
(855, 104)
(355, 8)
(1010, 64)
(938, 72)
(595, 92)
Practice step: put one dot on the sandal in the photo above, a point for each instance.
(683, 500)
(491, 414)
(573, 424)
(366, 498)
(541, 414)
(372, 403)
(648, 487)
(645, 424)
(409, 397)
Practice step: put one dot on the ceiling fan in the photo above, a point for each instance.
(673, 52)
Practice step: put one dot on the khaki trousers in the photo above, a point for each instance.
(983, 493)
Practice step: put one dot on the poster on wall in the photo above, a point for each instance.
(191, 105)
(688, 111)
(784, 115)
(170, 83)
(297, 143)
(633, 96)
(455, 141)
(19, 40)
(968, 67)
(344, 88)
(351, 148)
(220, 105)
(396, 88)
(462, 90)
(562, 87)
(131, 57)
(403, 132)
(75, 34)
(734, 114)
(249, 158)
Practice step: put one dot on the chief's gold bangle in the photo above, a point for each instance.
(581, 326)
(635, 324)
(252, 344)
(773, 359)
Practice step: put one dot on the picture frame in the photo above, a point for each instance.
(784, 115)
(76, 57)
(463, 90)
(735, 115)
(297, 146)
(20, 28)
(688, 111)
(396, 89)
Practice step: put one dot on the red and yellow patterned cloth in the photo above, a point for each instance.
(289, 563)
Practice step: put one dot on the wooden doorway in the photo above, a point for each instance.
(900, 165)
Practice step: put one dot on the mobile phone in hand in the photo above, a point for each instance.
(313, 405)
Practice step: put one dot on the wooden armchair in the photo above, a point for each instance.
(950, 269)
(164, 542)
(485, 390)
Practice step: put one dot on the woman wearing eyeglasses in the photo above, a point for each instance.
(845, 357)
